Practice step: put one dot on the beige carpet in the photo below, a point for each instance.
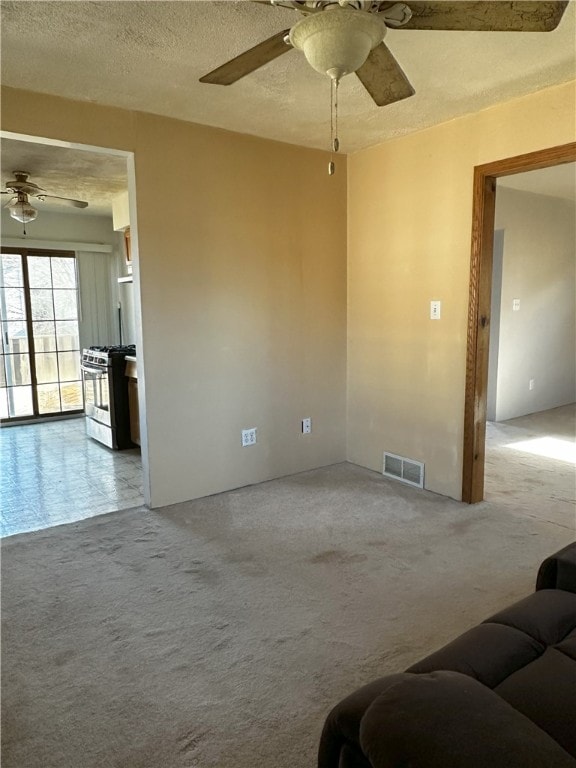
(530, 465)
(218, 633)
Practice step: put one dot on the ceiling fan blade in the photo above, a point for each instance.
(486, 15)
(383, 77)
(249, 61)
(65, 200)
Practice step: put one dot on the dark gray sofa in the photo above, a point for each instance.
(502, 695)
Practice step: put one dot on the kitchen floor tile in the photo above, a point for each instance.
(53, 473)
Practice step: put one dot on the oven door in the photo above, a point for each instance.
(96, 383)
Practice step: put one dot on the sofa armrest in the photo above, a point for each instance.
(449, 720)
(339, 743)
(559, 570)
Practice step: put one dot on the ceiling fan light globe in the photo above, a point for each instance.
(337, 41)
(22, 212)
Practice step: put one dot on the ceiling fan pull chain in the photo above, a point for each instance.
(334, 141)
(331, 163)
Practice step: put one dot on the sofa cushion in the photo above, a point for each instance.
(545, 691)
(547, 616)
(488, 652)
(448, 720)
(568, 645)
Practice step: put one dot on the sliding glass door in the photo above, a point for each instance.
(40, 357)
(15, 376)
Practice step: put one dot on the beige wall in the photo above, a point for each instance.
(242, 278)
(409, 223)
(537, 342)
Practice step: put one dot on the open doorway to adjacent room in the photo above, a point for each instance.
(66, 284)
(531, 409)
(520, 437)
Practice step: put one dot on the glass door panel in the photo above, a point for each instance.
(65, 304)
(3, 389)
(14, 304)
(71, 396)
(14, 337)
(40, 335)
(48, 398)
(69, 366)
(11, 270)
(46, 367)
(44, 333)
(68, 335)
(39, 272)
(16, 379)
(54, 299)
(42, 304)
(20, 402)
(64, 273)
(18, 370)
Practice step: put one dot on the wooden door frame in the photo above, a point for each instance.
(484, 203)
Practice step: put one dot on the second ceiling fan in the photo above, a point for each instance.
(21, 189)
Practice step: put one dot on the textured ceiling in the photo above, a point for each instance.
(149, 56)
(93, 177)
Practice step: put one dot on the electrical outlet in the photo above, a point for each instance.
(435, 307)
(306, 426)
(515, 305)
(248, 437)
(531, 384)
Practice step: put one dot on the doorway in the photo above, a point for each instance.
(40, 357)
(52, 472)
(479, 313)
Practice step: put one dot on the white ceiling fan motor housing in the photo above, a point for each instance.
(337, 41)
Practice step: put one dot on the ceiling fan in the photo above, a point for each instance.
(21, 190)
(343, 36)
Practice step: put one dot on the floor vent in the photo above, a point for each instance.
(405, 470)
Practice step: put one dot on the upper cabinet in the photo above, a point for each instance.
(121, 223)
(121, 212)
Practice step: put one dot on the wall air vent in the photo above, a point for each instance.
(406, 470)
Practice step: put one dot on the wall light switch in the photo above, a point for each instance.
(515, 305)
(435, 307)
